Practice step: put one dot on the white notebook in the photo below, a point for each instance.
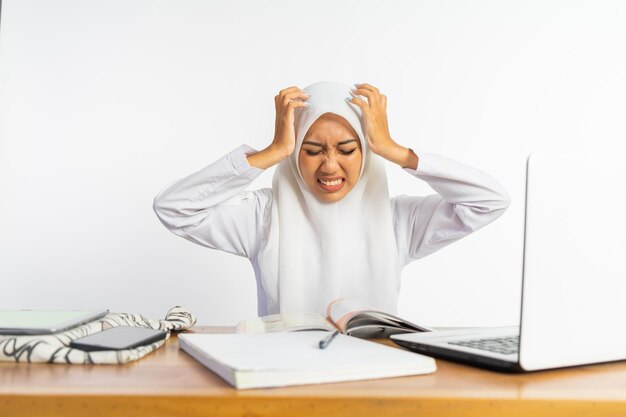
(260, 360)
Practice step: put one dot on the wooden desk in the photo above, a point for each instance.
(170, 383)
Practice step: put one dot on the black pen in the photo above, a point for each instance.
(326, 341)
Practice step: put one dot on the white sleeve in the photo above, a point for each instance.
(467, 200)
(211, 208)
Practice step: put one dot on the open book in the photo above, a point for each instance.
(348, 316)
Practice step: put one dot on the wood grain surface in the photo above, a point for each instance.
(168, 382)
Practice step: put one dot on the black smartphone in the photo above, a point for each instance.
(119, 338)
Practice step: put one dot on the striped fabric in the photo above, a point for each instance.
(55, 348)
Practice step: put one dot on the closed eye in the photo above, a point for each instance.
(314, 153)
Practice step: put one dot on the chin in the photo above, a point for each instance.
(330, 197)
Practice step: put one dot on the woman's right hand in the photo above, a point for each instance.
(286, 102)
(284, 141)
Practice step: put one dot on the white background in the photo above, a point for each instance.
(103, 103)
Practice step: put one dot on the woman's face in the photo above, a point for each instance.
(330, 158)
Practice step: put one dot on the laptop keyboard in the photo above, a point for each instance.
(506, 345)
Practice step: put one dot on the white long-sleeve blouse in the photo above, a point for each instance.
(212, 208)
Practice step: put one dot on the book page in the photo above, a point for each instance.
(348, 315)
(284, 322)
(342, 310)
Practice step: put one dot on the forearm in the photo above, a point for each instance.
(404, 157)
(267, 157)
(459, 183)
(467, 199)
(183, 202)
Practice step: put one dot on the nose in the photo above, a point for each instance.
(330, 163)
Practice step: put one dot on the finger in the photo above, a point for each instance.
(384, 100)
(373, 98)
(354, 100)
(293, 96)
(367, 87)
(291, 103)
(288, 92)
(362, 92)
(295, 93)
(297, 103)
(289, 108)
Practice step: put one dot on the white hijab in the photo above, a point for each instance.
(316, 251)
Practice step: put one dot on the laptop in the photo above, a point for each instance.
(38, 322)
(573, 304)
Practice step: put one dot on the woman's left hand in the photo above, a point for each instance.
(376, 128)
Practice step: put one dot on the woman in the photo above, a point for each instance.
(327, 228)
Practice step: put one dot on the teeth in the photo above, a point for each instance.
(332, 183)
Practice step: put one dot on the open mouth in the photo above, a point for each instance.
(331, 184)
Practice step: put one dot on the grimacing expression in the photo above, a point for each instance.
(330, 158)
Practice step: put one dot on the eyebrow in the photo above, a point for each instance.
(308, 142)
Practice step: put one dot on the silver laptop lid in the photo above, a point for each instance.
(574, 289)
(36, 322)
